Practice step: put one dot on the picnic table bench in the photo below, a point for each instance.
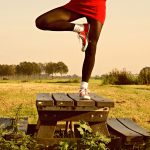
(132, 136)
(67, 107)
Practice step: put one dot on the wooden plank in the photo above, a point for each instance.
(128, 134)
(61, 99)
(133, 126)
(92, 116)
(31, 129)
(101, 101)
(44, 99)
(78, 102)
(46, 131)
(100, 127)
(70, 108)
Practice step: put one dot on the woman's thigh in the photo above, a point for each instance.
(58, 14)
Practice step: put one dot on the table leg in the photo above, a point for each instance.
(100, 127)
(46, 129)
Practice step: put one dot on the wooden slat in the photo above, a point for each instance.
(133, 126)
(61, 99)
(100, 127)
(46, 129)
(92, 116)
(102, 102)
(44, 99)
(128, 134)
(78, 102)
(70, 108)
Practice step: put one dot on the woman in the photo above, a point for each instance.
(60, 19)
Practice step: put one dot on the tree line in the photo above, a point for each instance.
(32, 68)
(114, 77)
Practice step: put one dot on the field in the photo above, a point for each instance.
(131, 101)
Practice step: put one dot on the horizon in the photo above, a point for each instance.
(66, 74)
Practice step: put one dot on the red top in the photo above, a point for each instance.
(95, 9)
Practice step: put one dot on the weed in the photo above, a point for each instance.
(14, 139)
(89, 140)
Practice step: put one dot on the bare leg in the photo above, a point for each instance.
(95, 29)
(57, 20)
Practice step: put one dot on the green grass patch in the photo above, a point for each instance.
(131, 101)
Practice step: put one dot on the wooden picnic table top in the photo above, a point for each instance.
(55, 101)
(55, 107)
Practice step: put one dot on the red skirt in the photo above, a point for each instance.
(95, 9)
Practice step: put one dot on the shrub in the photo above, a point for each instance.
(144, 76)
(89, 140)
(14, 139)
(117, 77)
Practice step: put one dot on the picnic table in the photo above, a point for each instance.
(67, 107)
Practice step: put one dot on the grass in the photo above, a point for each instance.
(131, 101)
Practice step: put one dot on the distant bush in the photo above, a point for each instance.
(144, 76)
(117, 77)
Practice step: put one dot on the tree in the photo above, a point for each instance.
(59, 67)
(144, 76)
(36, 68)
(42, 67)
(50, 68)
(62, 68)
(7, 70)
(28, 68)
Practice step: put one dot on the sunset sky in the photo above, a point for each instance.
(124, 41)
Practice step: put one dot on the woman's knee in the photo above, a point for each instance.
(40, 23)
(91, 49)
(93, 43)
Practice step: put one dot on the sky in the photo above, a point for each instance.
(124, 41)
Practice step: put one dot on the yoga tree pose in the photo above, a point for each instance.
(60, 19)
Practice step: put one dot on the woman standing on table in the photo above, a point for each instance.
(59, 19)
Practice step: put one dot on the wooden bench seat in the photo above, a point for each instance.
(129, 132)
